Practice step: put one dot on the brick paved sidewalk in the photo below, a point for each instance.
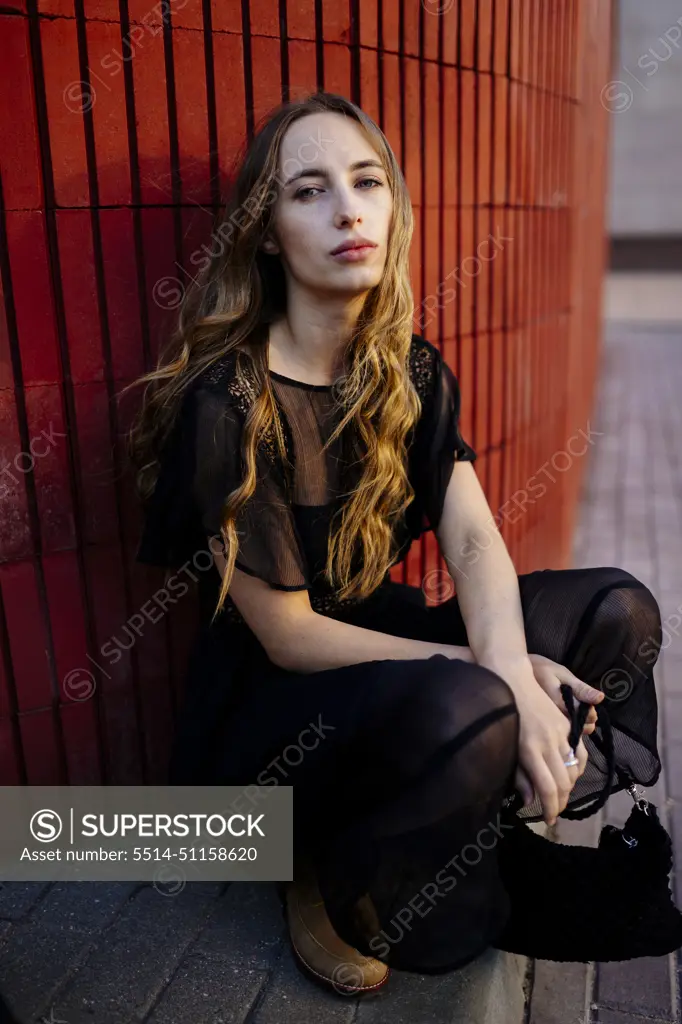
(214, 953)
(632, 517)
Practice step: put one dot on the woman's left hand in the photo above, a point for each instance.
(550, 675)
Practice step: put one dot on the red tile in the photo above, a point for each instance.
(432, 135)
(192, 117)
(81, 743)
(501, 13)
(391, 25)
(107, 104)
(163, 277)
(368, 13)
(391, 125)
(6, 374)
(229, 101)
(51, 442)
(500, 143)
(497, 390)
(411, 14)
(64, 594)
(264, 15)
(416, 258)
(483, 154)
(336, 21)
(15, 529)
(100, 521)
(79, 292)
(450, 32)
(66, 103)
(432, 301)
(121, 287)
(447, 292)
(516, 10)
(467, 385)
(337, 69)
(10, 755)
(21, 181)
(301, 19)
(29, 642)
(413, 130)
(151, 114)
(467, 154)
(302, 69)
(267, 77)
(121, 730)
(433, 27)
(450, 137)
(187, 14)
(484, 14)
(369, 84)
(468, 34)
(63, 8)
(463, 281)
(41, 744)
(482, 359)
(29, 267)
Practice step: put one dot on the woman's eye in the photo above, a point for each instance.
(304, 193)
(301, 193)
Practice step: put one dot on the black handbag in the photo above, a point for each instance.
(580, 903)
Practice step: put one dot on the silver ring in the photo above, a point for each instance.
(572, 760)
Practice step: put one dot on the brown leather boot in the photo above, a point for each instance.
(318, 951)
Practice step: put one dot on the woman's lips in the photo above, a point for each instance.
(359, 252)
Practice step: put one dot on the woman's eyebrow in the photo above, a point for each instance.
(319, 172)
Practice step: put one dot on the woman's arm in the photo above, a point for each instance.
(300, 640)
(484, 574)
(490, 602)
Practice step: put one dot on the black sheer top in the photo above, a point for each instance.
(284, 527)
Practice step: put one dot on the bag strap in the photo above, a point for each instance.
(578, 711)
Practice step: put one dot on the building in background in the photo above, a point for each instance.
(645, 98)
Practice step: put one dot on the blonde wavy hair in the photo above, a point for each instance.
(238, 291)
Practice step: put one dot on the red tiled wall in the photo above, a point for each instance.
(114, 138)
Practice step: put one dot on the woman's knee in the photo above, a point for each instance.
(451, 698)
(630, 611)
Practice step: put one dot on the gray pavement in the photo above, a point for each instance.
(631, 516)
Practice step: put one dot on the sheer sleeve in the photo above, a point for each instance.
(200, 465)
(439, 442)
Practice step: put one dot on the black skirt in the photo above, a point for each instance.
(400, 767)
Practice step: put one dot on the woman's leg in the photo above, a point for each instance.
(399, 805)
(605, 626)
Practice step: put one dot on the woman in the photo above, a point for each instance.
(299, 428)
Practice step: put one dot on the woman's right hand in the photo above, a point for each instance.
(543, 739)
(543, 745)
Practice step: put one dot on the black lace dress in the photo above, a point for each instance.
(399, 767)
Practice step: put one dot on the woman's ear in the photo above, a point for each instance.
(269, 245)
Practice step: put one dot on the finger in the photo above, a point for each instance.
(564, 777)
(585, 692)
(582, 755)
(582, 690)
(590, 721)
(524, 786)
(545, 787)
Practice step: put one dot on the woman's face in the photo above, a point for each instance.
(333, 189)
